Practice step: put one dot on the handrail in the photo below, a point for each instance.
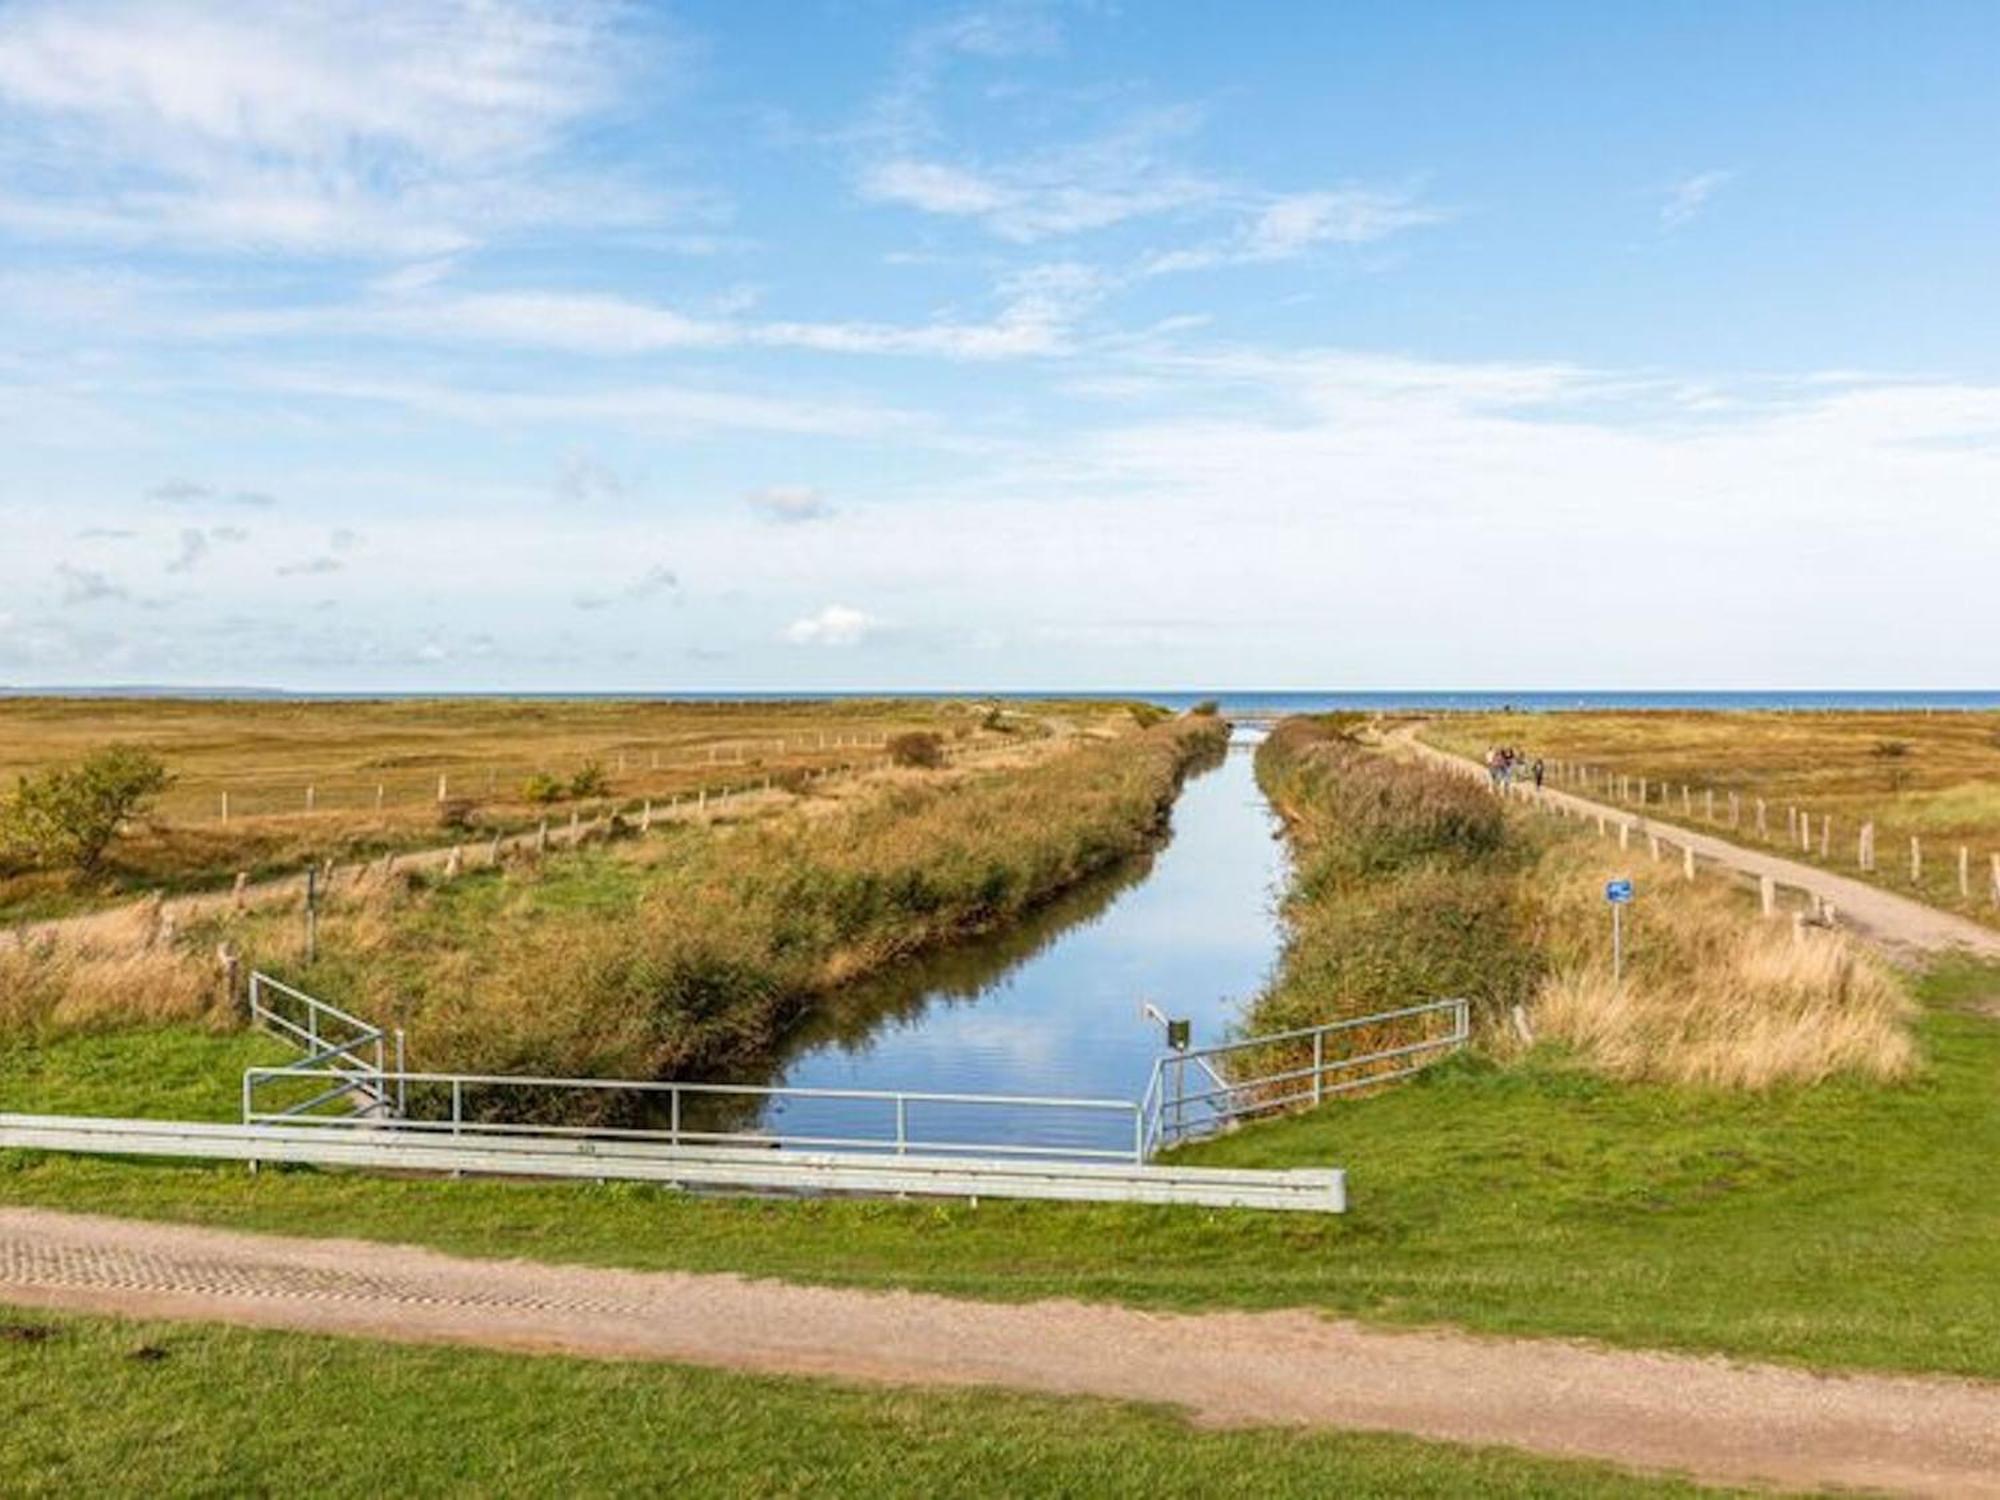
(1234, 1099)
(902, 1142)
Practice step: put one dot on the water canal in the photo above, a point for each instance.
(1053, 1006)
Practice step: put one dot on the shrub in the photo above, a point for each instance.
(1146, 715)
(1208, 708)
(456, 814)
(919, 748)
(544, 788)
(591, 780)
(68, 816)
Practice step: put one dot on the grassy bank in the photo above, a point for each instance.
(1407, 885)
(1932, 776)
(308, 781)
(685, 954)
(1848, 1224)
(1414, 884)
(195, 1415)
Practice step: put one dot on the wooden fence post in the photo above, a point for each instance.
(1767, 895)
(1624, 835)
(1996, 880)
(225, 807)
(1687, 861)
(1653, 846)
(1916, 861)
(1763, 827)
(1964, 871)
(441, 786)
(1825, 835)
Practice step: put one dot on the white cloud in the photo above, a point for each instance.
(320, 126)
(87, 586)
(656, 580)
(789, 504)
(1290, 225)
(1090, 185)
(193, 548)
(1689, 196)
(836, 625)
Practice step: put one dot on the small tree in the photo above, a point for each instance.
(591, 780)
(919, 748)
(69, 815)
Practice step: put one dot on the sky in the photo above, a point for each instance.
(693, 347)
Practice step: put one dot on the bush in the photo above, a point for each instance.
(1146, 715)
(919, 748)
(544, 788)
(1208, 708)
(456, 814)
(68, 816)
(592, 780)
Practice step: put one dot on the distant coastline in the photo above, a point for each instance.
(1233, 700)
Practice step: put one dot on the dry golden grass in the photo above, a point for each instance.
(265, 755)
(1932, 775)
(1712, 995)
(50, 988)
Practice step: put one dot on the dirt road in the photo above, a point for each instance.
(1893, 921)
(1706, 1417)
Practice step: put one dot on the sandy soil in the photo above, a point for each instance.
(1702, 1416)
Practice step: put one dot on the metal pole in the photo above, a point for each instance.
(457, 1104)
(312, 913)
(902, 1127)
(1617, 943)
(402, 1081)
(1319, 1067)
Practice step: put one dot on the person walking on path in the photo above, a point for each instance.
(1538, 773)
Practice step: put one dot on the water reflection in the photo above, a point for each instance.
(1052, 1006)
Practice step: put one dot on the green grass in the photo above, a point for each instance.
(221, 1411)
(1845, 1225)
(161, 1073)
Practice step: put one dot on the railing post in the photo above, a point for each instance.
(457, 1104)
(1319, 1067)
(902, 1126)
(402, 1080)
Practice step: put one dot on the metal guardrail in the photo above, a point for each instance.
(339, 1047)
(1171, 1113)
(448, 1104)
(1318, 1190)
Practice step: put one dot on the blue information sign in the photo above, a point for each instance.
(1618, 892)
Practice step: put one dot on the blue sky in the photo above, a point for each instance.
(683, 347)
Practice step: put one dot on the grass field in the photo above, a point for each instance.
(1847, 1224)
(265, 756)
(205, 1410)
(1934, 776)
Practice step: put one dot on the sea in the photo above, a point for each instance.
(1236, 702)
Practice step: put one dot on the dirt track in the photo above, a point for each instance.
(1893, 921)
(1706, 1417)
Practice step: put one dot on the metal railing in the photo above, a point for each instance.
(466, 1105)
(340, 1048)
(1224, 1093)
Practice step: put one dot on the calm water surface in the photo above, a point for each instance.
(1053, 1007)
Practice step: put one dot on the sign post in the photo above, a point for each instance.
(1618, 893)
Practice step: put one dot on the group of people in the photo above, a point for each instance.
(1504, 763)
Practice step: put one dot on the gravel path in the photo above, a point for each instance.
(1716, 1420)
(1882, 916)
